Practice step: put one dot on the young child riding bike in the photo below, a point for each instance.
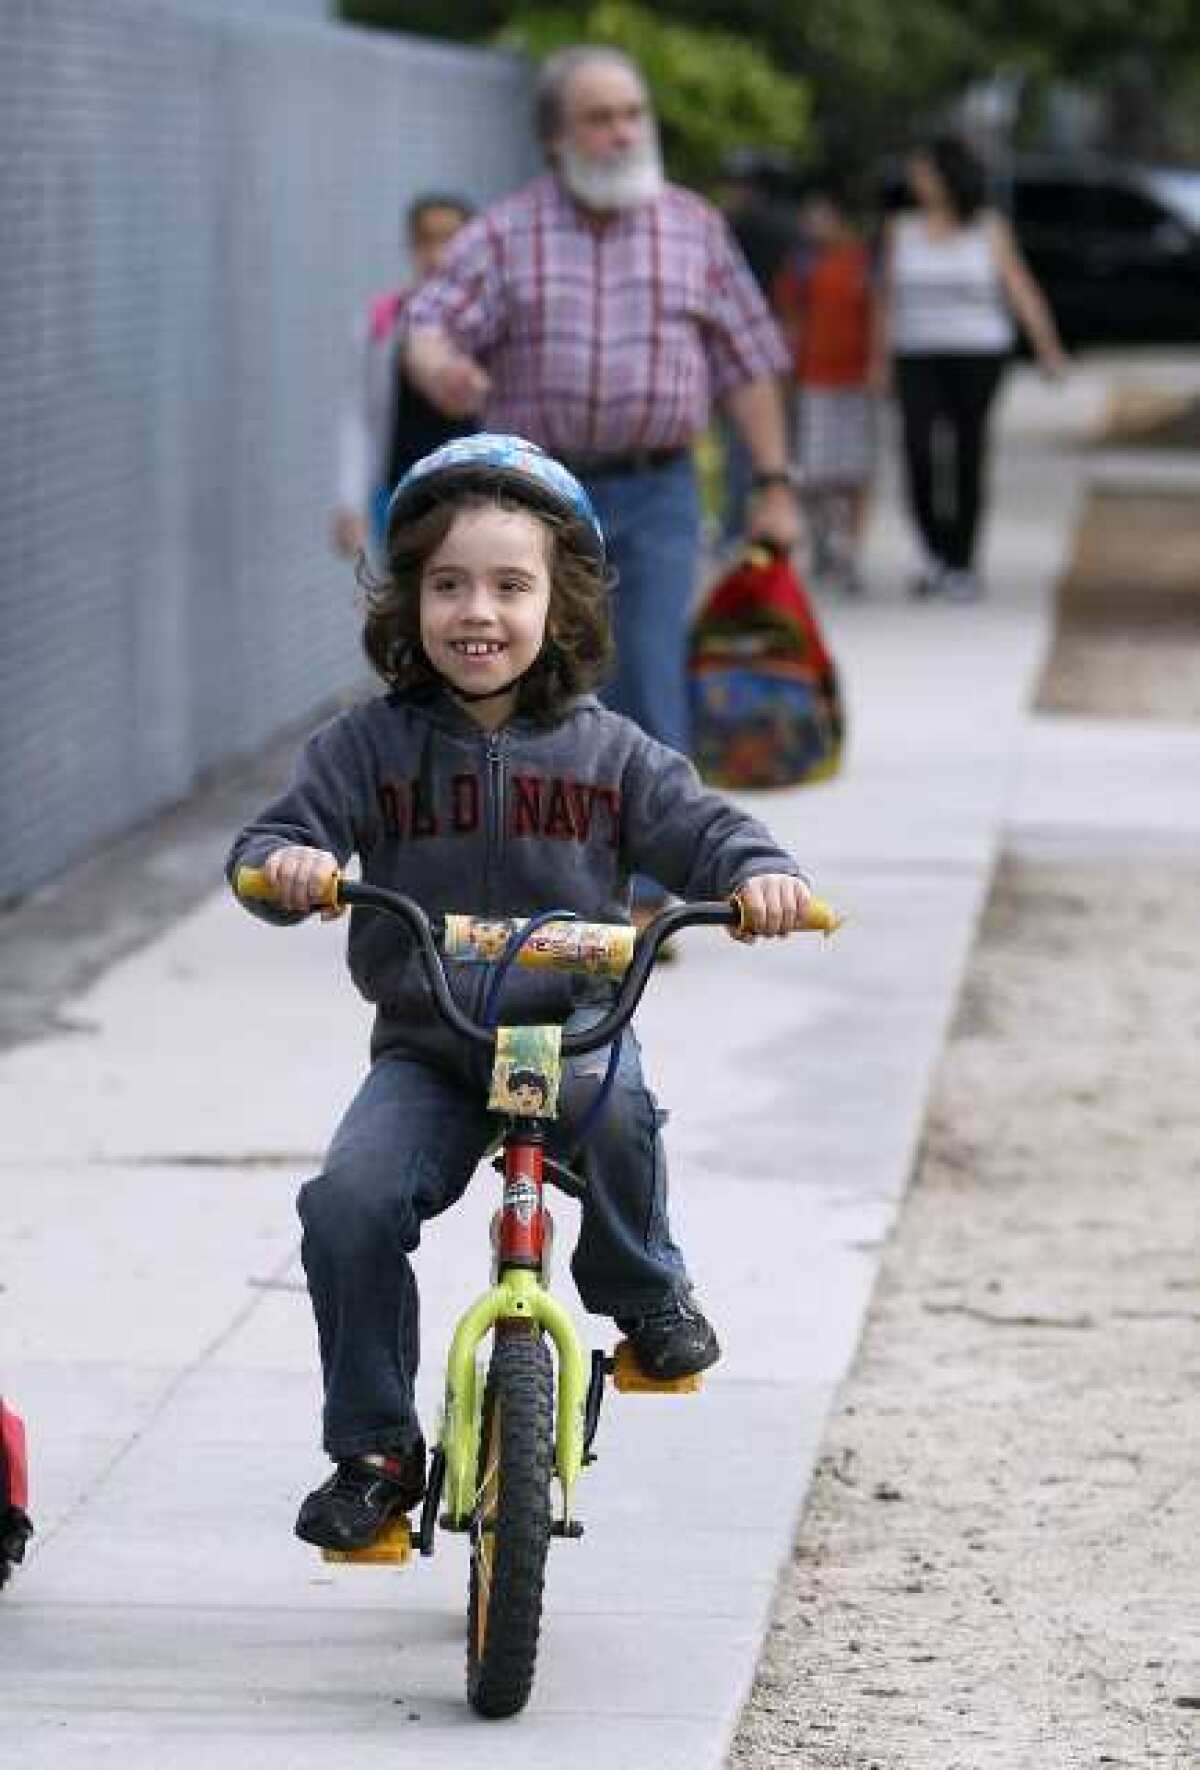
(487, 778)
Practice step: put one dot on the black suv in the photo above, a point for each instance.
(1114, 244)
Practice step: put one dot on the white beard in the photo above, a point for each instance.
(625, 183)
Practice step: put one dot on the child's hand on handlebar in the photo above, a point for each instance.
(300, 879)
(772, 904)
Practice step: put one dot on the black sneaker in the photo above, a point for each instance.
(674, 1341)
(350, 1509)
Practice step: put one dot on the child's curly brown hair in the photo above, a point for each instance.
(577, 651)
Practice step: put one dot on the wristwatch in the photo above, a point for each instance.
(773, 476)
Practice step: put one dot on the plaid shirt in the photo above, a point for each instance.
(602, 338)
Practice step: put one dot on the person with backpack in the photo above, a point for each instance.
(386, 422)
(602, 311)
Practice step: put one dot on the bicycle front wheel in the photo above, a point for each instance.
(510, 1531)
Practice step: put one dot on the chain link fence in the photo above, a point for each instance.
(193, 208)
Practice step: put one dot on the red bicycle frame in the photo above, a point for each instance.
(521, 1239)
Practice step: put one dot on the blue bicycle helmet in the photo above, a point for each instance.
(493, 462)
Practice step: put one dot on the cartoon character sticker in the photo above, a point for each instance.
(600, 948)
(477, 939)
(527, 1071)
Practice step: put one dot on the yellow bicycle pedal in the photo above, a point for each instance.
(391, 1548)
(630, 1379)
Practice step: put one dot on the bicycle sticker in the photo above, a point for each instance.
(521, 1197)
(527, 1071)
(476, 939)
(603, 949)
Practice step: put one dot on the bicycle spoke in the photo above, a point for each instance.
(488, 1482)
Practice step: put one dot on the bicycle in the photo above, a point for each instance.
(502, 1443)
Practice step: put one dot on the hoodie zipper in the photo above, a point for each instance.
(493, 846)
(495, 814)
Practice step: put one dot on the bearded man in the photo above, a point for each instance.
(599, 311)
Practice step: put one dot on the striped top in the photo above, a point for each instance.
(602, 336)
(947, 296)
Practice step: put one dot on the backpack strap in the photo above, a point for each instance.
(383, 314)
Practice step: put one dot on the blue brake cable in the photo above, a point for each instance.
(512, 948)
(491, 1015)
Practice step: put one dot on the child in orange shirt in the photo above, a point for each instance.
(825, 300)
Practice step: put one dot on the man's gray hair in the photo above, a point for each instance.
(555, 76)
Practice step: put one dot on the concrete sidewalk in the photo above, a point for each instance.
(155, 1334)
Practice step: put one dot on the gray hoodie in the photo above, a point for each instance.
(529, 818)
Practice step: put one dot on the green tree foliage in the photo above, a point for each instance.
(714, 88)
(879, 67)
(1076, 39)
(842, 78)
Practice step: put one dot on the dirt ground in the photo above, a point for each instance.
(998, 1565)
(1151, 418)
(1127, 642)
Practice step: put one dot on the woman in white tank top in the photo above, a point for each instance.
(953, 278)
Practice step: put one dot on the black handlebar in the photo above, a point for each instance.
(426, 935)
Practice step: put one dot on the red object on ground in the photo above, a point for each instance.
(14, 1464)
(15, 1528)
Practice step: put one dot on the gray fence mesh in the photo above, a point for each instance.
(191, 209)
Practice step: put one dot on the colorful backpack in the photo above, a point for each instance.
(766, 705)
(15, 1528)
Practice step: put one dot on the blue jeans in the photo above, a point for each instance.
(652, 523)
(405, 1152)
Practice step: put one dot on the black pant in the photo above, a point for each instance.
(944, 404)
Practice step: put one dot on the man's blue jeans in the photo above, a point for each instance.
(405, 1152)
(652, 523)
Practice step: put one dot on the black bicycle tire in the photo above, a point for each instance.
(502, 1634)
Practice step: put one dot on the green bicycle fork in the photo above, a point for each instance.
(517, 1297)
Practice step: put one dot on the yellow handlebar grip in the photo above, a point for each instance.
(252, 886)
(822, 917)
